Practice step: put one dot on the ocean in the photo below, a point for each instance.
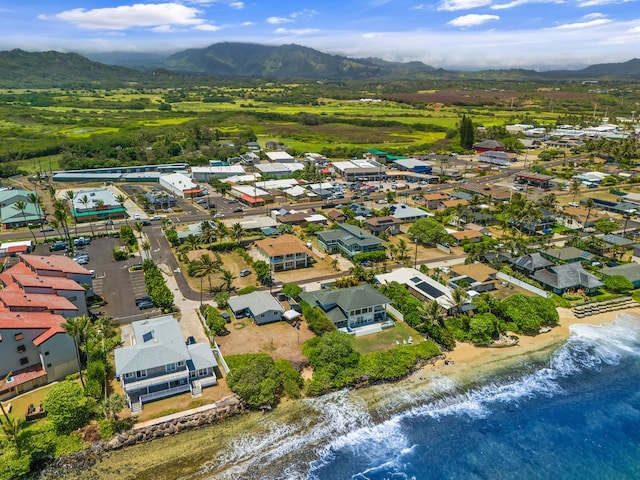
(575, 415)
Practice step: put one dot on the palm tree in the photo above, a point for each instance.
(11, 427)
(205, 266)
(228, 279)
(55, 224)
(237, 231)
(21, 206)
(574, 188)
(70, 195)
(77, 328)
(85, 201)
(36, 200)
(121, 199)
(393, 251)
(138, 227)
(208, 232)
(460, 298)
(589, 204)
(402, 248)
(191, 242)
(432, 312)
(61, 216)
(146, 247)
(223, 230)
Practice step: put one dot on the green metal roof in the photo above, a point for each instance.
(98, 212)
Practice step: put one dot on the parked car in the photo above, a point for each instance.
(57, 246)
(219, 215)
(202, 201)
(136, 216)
(238, 210)
(146, 223)
(144, 298)
(145, 305)
(226, 316)
(155, 217)
(81, 241)
(46, 229)
(233, 200)
(81, 259)
(245, 272)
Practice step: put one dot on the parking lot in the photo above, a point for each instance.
(113, 280)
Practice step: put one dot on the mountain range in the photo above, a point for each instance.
(19, 68)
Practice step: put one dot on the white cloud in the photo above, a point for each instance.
(453, 5)
(247, 24)
(472, 20)
(582, 25)
(422, 6)
(278, 20)
(158, 15)
(294, 31)
(513, 4)
(237, 5)
(205, 27)
(304, 13)
(595, 3)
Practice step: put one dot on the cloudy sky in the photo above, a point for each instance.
(463, 34)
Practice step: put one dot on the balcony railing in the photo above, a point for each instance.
(131, 385)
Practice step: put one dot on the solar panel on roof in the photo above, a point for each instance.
(147, 337)
(429, 290)
(416, 279)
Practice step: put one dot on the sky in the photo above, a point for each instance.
(453, 34)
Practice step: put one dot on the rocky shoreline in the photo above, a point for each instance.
(85, 459)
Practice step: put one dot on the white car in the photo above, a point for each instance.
(219, 215)
(136, 216)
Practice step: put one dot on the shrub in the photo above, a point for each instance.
(318, 322)
(67, 407)
(119, 254)
(247, 289)
(617, 283)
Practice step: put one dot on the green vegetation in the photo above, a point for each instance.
(260, 381)
(217, 325)
(156, 286)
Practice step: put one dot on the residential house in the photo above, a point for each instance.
(349, 240)
(262, 307)
(14, 299)
(286, 252)
(569, 277)
(389, 224)
(453, 203)
(630, 271)
(433, 201)
(299, 218)
(473, 276)
(157, 362)
(579, 217)
(567, 255)
(351, 309)
(495, 195)
(336, 215)
(488, 145)
(360, 210)
(181, 185)
(280, 156)
(467, 236)
(529, 263)
(423, 287)
(35, 349)
(617, 241)
(407, 214)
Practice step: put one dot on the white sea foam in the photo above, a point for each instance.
(589, 347)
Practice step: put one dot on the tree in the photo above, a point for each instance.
(237, 231)
(121, 199)
(67, 407)
(483, 328)
(292, 290)
(432, 313)
(208, 232)
(460, 298)
(467, 133)
(84, 200)
(574, 188)
(263, 271)
(112, 405)
(138, 228)
(205, 266)
(428, 231)
(589, 205)
(21, 206)
(77, 328)
(228, 277)
(617, 283)
(146, 247)
(605, 225)
(402, 248)
(222, 299)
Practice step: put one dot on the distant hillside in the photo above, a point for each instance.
(286, 61)
(54, 69)
(626, 69)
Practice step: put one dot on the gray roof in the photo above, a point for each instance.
(567, 253)
(350, 235)
(158, 342)
(617, 240)
(567, 276)
(346, 299)
(201, 356)
(402, 211)
(531, 262)
(631, 271)
(256, 302)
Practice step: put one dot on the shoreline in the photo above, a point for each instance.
(466, 357)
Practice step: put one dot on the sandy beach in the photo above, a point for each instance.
(467, 359)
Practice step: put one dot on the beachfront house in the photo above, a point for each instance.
(157, 362)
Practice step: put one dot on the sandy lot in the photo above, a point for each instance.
(280, 339)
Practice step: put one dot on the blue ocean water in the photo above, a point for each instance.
(577, 418)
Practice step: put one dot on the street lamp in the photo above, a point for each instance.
(415, 259)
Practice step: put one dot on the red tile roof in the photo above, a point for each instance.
(13, 297)
(53, 263)
(25, 277)
(50, 323)
(23, 376)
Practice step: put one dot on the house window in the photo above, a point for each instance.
(48, 365)
(72, 299)
(192, 374)
(18, 336)
(129, 375)
(22, 349)
(46, 353)
(24, 361)
(141, 373)
(202, 372)
(171, 367)
(181, 363)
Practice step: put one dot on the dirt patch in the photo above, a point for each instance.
(280, 340)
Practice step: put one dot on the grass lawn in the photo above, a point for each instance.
(230, 261)
(20, 403)
(386, 339)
